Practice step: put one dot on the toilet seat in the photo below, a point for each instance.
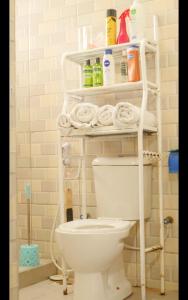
(93, 226)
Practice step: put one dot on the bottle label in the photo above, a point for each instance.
(124, 69)
(133, 11)
(97, 69)
(97, 76)
(87, 77)
(111, 31)
(130, 56)
(106, 63)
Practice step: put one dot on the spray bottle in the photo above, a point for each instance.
(123, 36)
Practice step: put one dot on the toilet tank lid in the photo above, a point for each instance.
(118, 161)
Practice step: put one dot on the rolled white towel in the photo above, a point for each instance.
(83, 115)
(104, 116)
(125, 114)
(63, 120)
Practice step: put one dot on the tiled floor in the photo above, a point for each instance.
(48, 290)
(43, 262)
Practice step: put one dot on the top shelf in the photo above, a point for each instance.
(80, 57)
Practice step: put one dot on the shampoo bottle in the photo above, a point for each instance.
(87, 74)
(133, 63)
(97, 73)
(108, 68)
(137, 21)
(111, 27)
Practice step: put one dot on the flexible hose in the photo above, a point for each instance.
(138, 248)
(62, 268)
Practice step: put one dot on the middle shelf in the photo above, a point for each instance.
(115, 88)
(105, 131)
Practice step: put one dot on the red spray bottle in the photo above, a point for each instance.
(123, 36)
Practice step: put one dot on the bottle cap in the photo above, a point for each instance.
(98, 60)
(133, 46)
(88, 62)
(108, 51)
(111, 13)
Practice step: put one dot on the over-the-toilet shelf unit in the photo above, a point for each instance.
(145, 87)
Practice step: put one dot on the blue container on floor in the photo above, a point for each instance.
(173, 161)
(29, 255)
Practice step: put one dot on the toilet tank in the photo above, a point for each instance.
(116, 187)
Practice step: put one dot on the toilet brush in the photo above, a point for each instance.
(29, 253)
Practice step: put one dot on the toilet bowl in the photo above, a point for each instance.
(93, 249)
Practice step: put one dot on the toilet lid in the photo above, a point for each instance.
(95, 226)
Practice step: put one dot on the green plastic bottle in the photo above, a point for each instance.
(97, 73)
(87, 74)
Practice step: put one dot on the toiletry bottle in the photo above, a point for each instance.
(133, 63)
(137, 21)
(111, 27)
(123, 36)
(108, 68)
(97, 73)
(124, 67)
(87, 74)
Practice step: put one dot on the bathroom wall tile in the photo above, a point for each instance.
(167, 45)
(175, 274)
(36, 185)
(171, 202)
(49, 186)
(155, 273)
(169, 130)
(170, 31)
(173, 101)
(171, 245)
(169, 87)
(171, 259)
(44, 160)
(49, 149)
(173, 59)
(170, 116)
(38, 125)
(13, 275)
(104, 4)
(85, 9)
(112, 147)
(94, 147)
(168, 74)
(47, 222)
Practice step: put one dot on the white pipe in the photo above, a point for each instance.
(84, 204)
(149, 249)
(160, 179)
(61, 204)
(140, 172)
(61, 179)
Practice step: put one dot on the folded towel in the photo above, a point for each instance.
(84, 115)
(104, 116)
(63, 120)
(126, 115)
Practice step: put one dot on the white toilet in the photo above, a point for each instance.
(93, 248)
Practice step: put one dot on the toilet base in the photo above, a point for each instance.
(109, 285)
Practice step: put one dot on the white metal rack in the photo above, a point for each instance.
(146, 87)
